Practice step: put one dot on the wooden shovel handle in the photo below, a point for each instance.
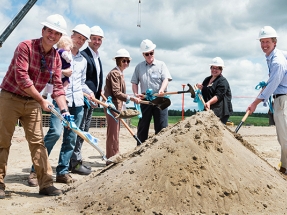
(167, 93)
(125, 124)
(245, 116)
(146, 102)
(200, 97)
(103, 104)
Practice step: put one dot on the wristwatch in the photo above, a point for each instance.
(64, 111)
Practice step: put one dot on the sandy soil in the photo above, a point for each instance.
(197, 166)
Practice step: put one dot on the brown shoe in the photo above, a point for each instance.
(50, 191)
(66, 179)
(2, 193)
(32, 179)
(283, 170)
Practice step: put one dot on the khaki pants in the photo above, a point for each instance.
(28, 111)
(280, 118)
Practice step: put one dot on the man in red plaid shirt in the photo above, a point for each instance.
(34, 65)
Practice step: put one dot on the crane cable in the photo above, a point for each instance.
(139, 14)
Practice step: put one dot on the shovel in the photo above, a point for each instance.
(246, 115)
(84, 135)
(160, 102)
(200, 97)
(127, 126)
(122, 114)
(242, 121)
(190, 90)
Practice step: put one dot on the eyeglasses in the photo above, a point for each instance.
(125, 61)
(43, 64)
(147, 54)
(216, 68)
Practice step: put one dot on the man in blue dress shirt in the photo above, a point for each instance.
(276, 85)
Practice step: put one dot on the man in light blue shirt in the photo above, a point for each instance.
(75, 98)
(150, 74)
(276, 85)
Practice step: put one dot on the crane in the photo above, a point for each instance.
(17, 19)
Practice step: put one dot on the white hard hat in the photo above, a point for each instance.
(96, 30)
(83, 29)
(56, 22)
(267, 32)
(217, 61)
(122, 53)
(147, 46)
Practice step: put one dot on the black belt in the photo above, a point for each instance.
(278, 95)
(19, 96)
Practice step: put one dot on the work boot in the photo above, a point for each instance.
(2, 191)
(283, 170)
(79, 162)
(65, 178)
(50, 191)
(88, 167)
(81, 169)
(32, 179)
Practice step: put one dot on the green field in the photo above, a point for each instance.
(256, 121)
(171, 120)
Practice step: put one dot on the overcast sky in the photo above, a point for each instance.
(188, 34)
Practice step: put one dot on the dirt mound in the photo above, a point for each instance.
(196, 166)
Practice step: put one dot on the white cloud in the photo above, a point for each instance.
(188, 34)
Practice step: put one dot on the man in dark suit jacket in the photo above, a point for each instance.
(94, 80)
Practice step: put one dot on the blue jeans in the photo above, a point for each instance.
(85, 125)
(69, 138)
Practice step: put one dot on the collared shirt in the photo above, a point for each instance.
(96, 57)
(277, 82)
(150, 76)
(119, 70)
(25, 69)
(77, 84)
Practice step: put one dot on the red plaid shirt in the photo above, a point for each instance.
(25, 69)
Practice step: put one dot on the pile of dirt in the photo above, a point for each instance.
(196, 166)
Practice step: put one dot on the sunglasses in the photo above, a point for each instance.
(125, 61)
(43, 64)
(147, 54)
(216, 68)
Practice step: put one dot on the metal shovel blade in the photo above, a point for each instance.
(191, 90)
(129, 113)
(161, 102)
(242, 121)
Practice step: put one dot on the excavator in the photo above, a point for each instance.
(17, 19)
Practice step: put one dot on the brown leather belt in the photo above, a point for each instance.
(18, 96)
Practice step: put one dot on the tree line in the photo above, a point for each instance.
(189, 112)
